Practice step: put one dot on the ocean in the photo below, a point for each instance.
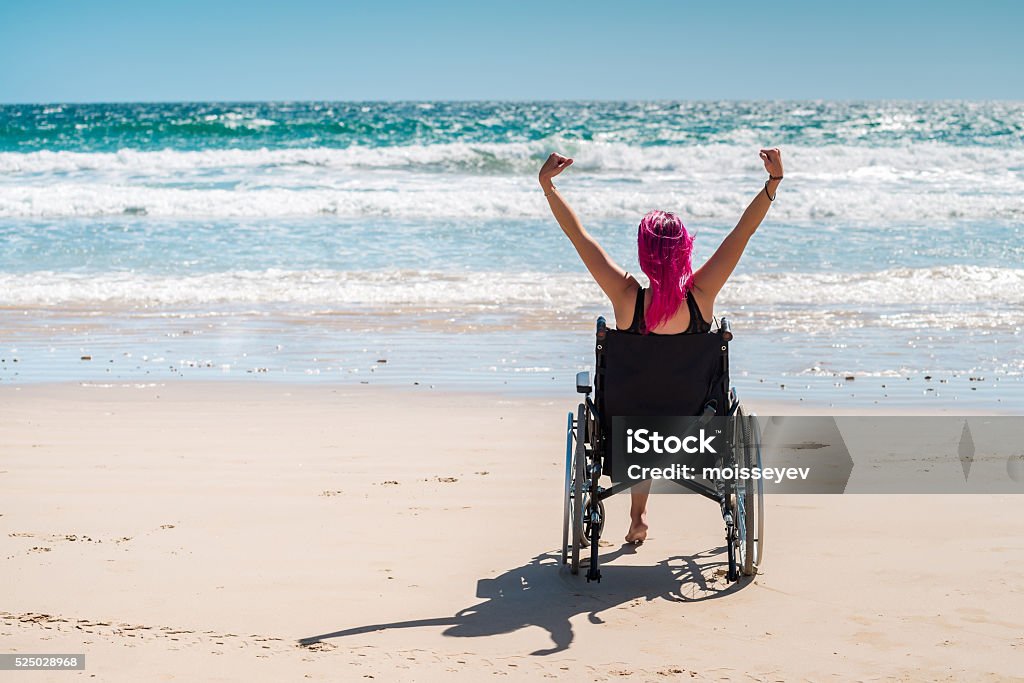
(409, 243)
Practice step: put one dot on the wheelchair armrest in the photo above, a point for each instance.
(583, 382)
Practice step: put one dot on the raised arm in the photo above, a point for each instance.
(712, 276)
(608, 274)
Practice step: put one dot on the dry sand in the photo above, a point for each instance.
(200, 531)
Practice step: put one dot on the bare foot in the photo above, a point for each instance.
(637, 531)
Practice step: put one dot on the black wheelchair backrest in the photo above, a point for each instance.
(644, 375)
(661, 374)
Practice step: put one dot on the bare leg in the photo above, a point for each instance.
(638, 513)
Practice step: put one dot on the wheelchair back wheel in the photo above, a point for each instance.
(749, 500)
(758, 503)
(573, 533)
(566, 509)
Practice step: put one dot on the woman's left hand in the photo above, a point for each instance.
(772, 161)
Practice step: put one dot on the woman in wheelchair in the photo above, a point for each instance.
(680, 300)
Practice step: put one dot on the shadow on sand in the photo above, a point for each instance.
(543, 593)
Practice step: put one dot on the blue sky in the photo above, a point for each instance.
(73, 51)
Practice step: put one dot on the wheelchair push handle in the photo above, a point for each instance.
(725, 329)
(602, 328)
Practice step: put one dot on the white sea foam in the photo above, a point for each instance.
(473, 198)
(922, 182)
(523, 157)
(905, 289)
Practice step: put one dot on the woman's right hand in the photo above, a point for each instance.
(555, 164)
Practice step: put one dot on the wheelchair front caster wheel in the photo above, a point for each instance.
(589, 518)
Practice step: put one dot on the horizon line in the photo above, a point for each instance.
(508, 100)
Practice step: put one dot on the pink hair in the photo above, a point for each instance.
(665, 248)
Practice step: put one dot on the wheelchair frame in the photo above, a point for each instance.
(741, 502)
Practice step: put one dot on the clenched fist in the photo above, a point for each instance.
(772, 161)
(555, 164)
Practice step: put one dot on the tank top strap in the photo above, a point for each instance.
(697, 322)
(639, 324)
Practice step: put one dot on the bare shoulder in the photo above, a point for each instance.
(631, 283)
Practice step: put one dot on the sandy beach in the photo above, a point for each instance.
(294, 298)
(253, 531)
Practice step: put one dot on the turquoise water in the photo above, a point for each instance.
(340, 125)
(314, 239)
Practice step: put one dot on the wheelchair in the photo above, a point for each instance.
(652, 375)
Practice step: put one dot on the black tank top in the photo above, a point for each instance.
(697, 323)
